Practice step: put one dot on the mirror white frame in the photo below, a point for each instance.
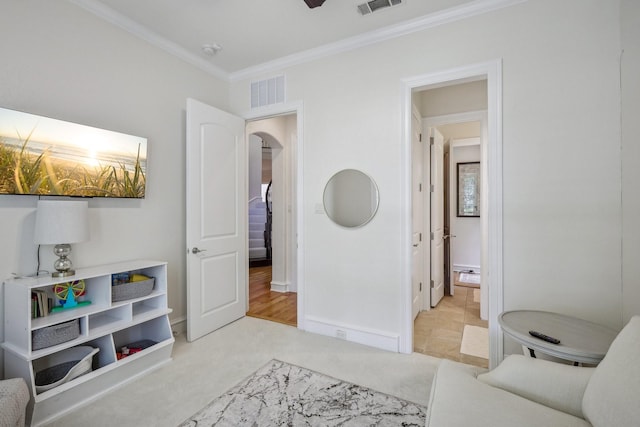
(351, 198)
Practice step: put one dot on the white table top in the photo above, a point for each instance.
(580, 340)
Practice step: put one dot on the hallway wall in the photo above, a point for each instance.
(465, 246)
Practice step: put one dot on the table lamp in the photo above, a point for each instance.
(60, 223)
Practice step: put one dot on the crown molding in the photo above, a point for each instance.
(116, 18)
(467, 10)
(446, 16)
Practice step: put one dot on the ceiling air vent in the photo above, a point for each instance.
(267, 92)
(374, 5)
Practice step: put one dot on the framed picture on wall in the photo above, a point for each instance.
(468, 177)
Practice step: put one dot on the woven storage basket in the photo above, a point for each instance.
(132, 290)
(55, 334)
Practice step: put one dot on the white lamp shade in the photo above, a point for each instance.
(61, 221)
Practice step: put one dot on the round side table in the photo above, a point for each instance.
(580, 341)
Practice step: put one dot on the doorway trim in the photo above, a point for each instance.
(492, 72)
(288, 108)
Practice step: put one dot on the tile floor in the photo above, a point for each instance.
(438, 332)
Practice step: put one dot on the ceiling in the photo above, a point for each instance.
(256, 32)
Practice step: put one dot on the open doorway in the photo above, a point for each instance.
(454, 112)
(272, 291)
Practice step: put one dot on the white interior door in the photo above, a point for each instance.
(417, 275)
(216, 219)
(437, 215)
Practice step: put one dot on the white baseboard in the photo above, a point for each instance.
(179, 325)
(370, 337)
(465, 268)
(279, 286)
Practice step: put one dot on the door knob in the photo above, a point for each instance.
(196, 250)
(446, 236)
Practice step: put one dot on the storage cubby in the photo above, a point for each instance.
(157, 330)
(148, 306)
(107, 355)
(103, 324)
(109, 319)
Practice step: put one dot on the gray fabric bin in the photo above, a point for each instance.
(132, 290)
(55, 334)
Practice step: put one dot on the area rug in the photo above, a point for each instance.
(475, 341)
(280, 394)
(471, 278)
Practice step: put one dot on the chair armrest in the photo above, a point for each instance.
(555, 385)
(14, 397)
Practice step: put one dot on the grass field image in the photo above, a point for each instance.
(44, 156)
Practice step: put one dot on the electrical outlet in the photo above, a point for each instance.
(341, 334)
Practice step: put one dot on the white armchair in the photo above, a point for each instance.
(531, 392)
(14, 397)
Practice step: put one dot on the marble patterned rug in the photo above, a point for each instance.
(280, 394)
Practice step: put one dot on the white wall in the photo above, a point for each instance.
(458, 98)
(562, 227)
(630, 155)
(63, 62)
(255, 166)
(465, 246)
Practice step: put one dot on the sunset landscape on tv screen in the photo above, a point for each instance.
(45, 156)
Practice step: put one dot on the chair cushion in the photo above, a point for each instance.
(555, 385)
(611, 397)
(458, 399)
(14, 397)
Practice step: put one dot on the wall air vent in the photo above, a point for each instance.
(374, 5)
(267, 92)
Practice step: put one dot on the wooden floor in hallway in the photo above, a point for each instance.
(281, 307)
(438, 332)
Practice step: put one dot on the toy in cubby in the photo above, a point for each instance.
(67, 294)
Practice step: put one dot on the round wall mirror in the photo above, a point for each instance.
(350, 198)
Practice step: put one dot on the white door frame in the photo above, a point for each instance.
(279, 110)
(492, 72)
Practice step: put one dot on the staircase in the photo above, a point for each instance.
(257, 221)
(260, 231)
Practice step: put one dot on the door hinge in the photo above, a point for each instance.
(432, 188)
(419, 237)
(432, 140)
(432, 236)
(432, 284)
(420, 138)
(420, 286)
(420, 187)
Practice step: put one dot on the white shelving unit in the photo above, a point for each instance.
(103, 324)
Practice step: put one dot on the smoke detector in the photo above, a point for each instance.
(374, 5)
(211, 49)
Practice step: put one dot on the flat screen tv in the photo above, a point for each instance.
(45, 156)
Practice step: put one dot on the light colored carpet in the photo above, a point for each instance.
(475, 341)
(208, 367)
(280, 394)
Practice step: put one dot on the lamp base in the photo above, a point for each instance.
(63, 264)
(63, 273)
